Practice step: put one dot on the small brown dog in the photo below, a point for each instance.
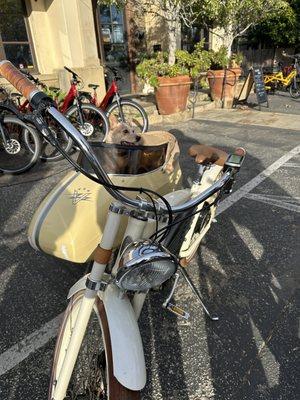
(117, 161)
(122, 133)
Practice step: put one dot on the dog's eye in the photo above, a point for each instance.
(126, 131)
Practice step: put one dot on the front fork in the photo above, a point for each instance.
(79, 109)
(134, 231)
(86, 307)
(121, 114)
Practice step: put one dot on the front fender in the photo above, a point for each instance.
(127, 348)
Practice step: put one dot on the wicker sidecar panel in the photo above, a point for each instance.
(69, 222)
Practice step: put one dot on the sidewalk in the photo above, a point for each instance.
(253, 117)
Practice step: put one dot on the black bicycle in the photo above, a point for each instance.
(20, 144)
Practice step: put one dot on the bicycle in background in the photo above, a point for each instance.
(291, 81)
(121, 109)
(20, 144)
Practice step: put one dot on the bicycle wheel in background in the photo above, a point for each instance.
(92, 377)
(22, 148)
(95, 122)
(134, 114)
(295, 89)
(49, 152)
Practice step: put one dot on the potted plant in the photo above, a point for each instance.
(172, 82)
(223, 75)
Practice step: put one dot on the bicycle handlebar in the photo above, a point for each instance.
(294, 57)
(71, 72)
(37, 97)
(17, 79)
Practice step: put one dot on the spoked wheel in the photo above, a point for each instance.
(92, 378)
(95, 123)
(50, 152)
(22, 147)
(295, 89)
(131, 113)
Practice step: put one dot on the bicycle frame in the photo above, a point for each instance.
(279, 78)
(108, 98)
(69, 99)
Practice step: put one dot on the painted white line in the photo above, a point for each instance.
(241, 192)
(289, 203)
(17, 353)
(292, 165)
(20, 351)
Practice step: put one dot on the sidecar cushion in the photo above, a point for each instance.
(208, 155)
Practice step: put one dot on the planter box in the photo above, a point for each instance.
(172, 94)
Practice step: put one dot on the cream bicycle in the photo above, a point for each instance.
(99, 352)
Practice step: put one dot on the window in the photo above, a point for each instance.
(113, 35)
(14, 38)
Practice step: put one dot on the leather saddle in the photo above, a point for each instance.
(207, 155)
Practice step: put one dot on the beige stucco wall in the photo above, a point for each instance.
(63, 33)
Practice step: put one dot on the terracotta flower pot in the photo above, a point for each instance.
(172, 94)
(222, 89)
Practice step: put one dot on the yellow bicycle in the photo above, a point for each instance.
(291, 81)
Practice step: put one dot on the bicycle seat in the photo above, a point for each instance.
(208, 155)
(16, 95)
(93, 86)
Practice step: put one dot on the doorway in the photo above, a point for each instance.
(113, 43)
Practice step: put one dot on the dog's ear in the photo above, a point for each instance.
(113, 122)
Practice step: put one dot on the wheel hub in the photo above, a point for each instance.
(12, 146)
(87, 129)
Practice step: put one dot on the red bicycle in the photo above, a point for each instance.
(124, 110)
(87, 118)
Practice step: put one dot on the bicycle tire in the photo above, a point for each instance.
(101, 352)
(30, 136)
(295, 93)
(49, 152)
(141, 122)
(97, 127)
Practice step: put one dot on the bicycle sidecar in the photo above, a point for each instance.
(69, 222)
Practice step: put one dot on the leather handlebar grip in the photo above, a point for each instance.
(17, 79)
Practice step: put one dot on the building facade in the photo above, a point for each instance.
(43, 36)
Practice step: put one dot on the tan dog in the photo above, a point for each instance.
(122, 133)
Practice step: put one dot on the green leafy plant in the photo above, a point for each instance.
(185, 64)
(236, 59)
(57, 96)
(220, 59)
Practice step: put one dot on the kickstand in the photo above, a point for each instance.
(197, 294)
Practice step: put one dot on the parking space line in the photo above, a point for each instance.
(241, 192)
(20, 351)
(289, 203)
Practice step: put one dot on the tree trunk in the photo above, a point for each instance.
(172, 41)
(228, 39)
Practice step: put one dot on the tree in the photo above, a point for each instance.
(235, 17)
(281, 29)
(172, 11)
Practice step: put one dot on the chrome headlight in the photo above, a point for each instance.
(144, 265)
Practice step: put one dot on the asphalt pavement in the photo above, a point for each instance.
(247, 270)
